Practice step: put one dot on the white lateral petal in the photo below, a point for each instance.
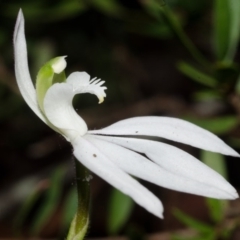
(77, 79)
(24, 80)
(179, 163)
(94, 159)
(141, 167)
(60, 112)
(81, 84)
(169, 128)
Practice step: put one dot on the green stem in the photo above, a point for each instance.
(80, 222)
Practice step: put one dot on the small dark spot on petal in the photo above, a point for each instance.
(94, 155)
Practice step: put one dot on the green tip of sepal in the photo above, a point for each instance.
(51, 72)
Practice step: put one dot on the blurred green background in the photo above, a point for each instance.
(174, 58)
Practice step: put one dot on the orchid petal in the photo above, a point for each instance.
(60, 112)
(179, 163)
(141, 167)
(81, 84)
(94, 159)
(24, 80)
(170, 128)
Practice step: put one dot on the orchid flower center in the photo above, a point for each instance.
(55, 94)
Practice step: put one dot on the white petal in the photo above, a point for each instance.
(60, 112)
(81, 84)
(169, 128)
(95, 159)
(24, 80)
(78, 79)
(181, 164)
(141, 167)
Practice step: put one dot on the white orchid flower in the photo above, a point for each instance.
(116, 152)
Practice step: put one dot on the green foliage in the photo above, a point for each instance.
(226, 28)
(197, 75)
(26, 209)
(215, 161)
(53, 196)
(204, 231)
(207, 95)
(217, 125)
(52, 13)
(69, 208)
(202, 237)
(120, 208)
(237, 87)
(221, 23)
(110, 7)
(217, 208)
(191, 222)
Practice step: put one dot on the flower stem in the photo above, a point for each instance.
(80, 221)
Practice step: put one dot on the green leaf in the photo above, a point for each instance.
(227, 233)
(120, 208)
(206, 95)
(152, 7)
(227, 26)
(111, 7)
(70, 208)
(36, 11)
(217, 209)
(26, 208)
(221, 24)
(191, 222)
(215, 161)
(234, 6)
(218, 125)
(208, 236)
(174, 23)
(52, 199)
(197, 75)
(237, 87)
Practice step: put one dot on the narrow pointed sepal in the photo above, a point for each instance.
(23, 78)
(96, 161)
(176, 169)
(170, 128)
